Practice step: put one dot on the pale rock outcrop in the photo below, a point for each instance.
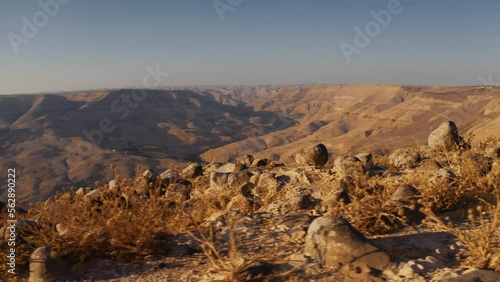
(405, 158)
(192, 171)
(237, 179)
(247, 160)
(169, 176)
(218, 180)
(444, 137)
(333, 242)
(316, 155)
(366, 158)
(227, 168)
(113, 185)
(348, 166)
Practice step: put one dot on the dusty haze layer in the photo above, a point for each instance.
(57, 141)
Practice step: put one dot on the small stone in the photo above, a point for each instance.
(348, 166)
(38, 264)
(192, 171)
(148, 174)
(248, 160)
(316, 155)
(62, 229)
(431, 259)
(227, 168)
(113, 185)
(405, 158)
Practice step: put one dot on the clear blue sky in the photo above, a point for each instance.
(92, 44)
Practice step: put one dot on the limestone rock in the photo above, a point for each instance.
(192, 171)
(169, 176)
(248, 160)
(218, 180)
(348, 166)
(148, 174)
(212, 167)
(38, 267)
(113, 185)
(80, 192)
(333, 242)
(93, 196)
(365, 158)
(62, 229)
(405, 158)
(238, 179)
(492, 152)
(444, 137)
(316, 155)
(44, 268)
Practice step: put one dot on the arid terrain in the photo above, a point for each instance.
(288, 183)
(55, 141)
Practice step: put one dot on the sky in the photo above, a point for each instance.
(94, 44)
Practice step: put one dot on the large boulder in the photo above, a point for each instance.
(316, 155)
(444, 137)
(333, 242)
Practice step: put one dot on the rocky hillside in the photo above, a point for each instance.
(57, 141)
(420, 213)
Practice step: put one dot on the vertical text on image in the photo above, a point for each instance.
(11, 222)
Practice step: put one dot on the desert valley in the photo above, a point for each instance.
(56, 140)
(255, 183)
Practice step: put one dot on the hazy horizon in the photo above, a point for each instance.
(86, 45)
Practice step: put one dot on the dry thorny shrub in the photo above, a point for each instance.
(116, 224)
(482, 237)
(370, 208)
(233, 265)
(475, 192)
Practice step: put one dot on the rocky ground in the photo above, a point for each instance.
(422, 213)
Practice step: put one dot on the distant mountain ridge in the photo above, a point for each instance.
(58, 140)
